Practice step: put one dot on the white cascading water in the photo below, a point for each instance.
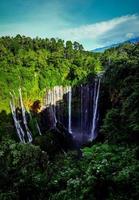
(56, 95)
(69, 108)
(83, 122)
(29, 135)
(95, 109)
(38, 128)
(18, 127)
(52, 100)
(81, 110)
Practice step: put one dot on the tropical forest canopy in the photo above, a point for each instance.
(37, 64)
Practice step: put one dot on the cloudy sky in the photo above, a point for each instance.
(94, 23)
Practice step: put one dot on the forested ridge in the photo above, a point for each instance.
(37, 64)
(105, 169)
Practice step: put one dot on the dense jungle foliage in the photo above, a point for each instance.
(37, 64)
(109, 167)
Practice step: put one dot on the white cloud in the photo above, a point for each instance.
(105, 32)
(52, 20)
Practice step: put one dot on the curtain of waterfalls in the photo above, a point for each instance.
(18, 127)
(76, 108)
(28, 132)
(95, 109)
(23, 132)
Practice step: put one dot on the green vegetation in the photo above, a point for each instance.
(37, 64)
(109, 167)
(104, 172)
(121, 80)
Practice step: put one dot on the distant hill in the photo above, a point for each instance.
(102, 49)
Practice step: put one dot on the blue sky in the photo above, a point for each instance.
(94, 23)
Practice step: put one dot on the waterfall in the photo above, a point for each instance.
(18, 127)
(37, 125)
(76, 108)
(81, 112)
(95, 109)
(69, 109)
(29, 135)
(53, 115)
